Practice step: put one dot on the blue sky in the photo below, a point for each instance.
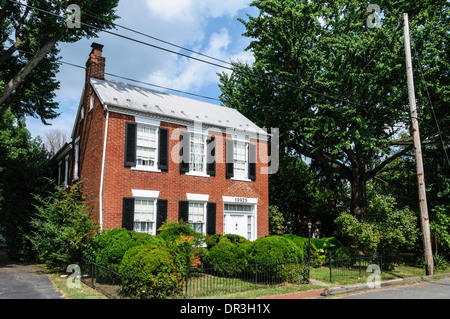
(206, 26)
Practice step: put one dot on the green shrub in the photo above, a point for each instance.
(317, 256)
(213, 240)
(274, 249)
(61, 229)
(227, 256)
(152, 272)
(278, 257)
(181, 237)
(109, 247)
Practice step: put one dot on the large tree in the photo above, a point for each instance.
(336, 84)
(30, 32)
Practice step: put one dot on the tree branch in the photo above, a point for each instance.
(375, 171)
(26, 70)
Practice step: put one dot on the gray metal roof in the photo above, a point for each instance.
(146, 100)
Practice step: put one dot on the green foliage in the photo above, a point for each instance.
(336, 85)
(24, 169)
(62, 227)
(274, 249)
(23, 34)
(386, 231)
(276, 221)
(440, 227)
(152, 272)
(181, 237)
(213, 240)
(228, 255)
(109, 247)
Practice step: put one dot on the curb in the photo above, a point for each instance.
(387, 283)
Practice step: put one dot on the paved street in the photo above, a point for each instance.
(24, 282)
(439, 289)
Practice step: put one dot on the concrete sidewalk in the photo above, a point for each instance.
(24, 281)
(383, 284)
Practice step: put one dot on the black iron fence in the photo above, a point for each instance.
(213, 280)
(354, 267)
(206, 280)
(107, 280)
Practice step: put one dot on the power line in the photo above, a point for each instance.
(158, 39)
(287, 84)
(134, 80)
(431, 103)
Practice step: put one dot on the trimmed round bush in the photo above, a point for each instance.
(152, 272)
(109, 247)
(273, 250)
(213, 240)
(277, 257)
(227, 256)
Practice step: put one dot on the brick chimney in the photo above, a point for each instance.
(95, 65)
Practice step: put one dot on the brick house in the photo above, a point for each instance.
(147, 156)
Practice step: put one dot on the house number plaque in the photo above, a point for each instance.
(240, 200)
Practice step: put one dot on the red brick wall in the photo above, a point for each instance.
(173, 186)
(91, 132)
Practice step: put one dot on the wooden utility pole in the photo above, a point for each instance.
(424, 220)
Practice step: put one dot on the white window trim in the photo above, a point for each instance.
(59, 172)
(148, 195)
(66, 171)
(76, 168)
(145, 193)
(153, 124)
(91, 102)
(197, 197)
(246, 140)
(205, 215)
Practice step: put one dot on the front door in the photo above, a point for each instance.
(236, 224)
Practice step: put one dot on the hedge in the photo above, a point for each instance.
(152, 272)
(109, 247)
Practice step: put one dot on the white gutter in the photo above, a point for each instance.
(103, 168)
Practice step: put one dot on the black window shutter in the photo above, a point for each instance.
(128, 213)
(252, 161)
(183, 210)
(161, 213)
(163, 156)
(229, 156)
(211, 156)
(211, 219)
(184, 152)
(130, 144)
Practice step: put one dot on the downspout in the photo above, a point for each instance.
(103, 168)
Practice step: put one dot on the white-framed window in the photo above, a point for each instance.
(197, 216)
(146, 146)
(145, 215)
(59, 172)
(240, 158)
(66, 171)
(91, 102)
(76, 163)
(197, 158)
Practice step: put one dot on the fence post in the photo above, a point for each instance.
(186, 284)
(359, 265)
(92, 274)
(256, 276)
(330, 266)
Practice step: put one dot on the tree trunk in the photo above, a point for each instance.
(26, 70)
(359, 194)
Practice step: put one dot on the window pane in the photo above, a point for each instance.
(146, 145)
